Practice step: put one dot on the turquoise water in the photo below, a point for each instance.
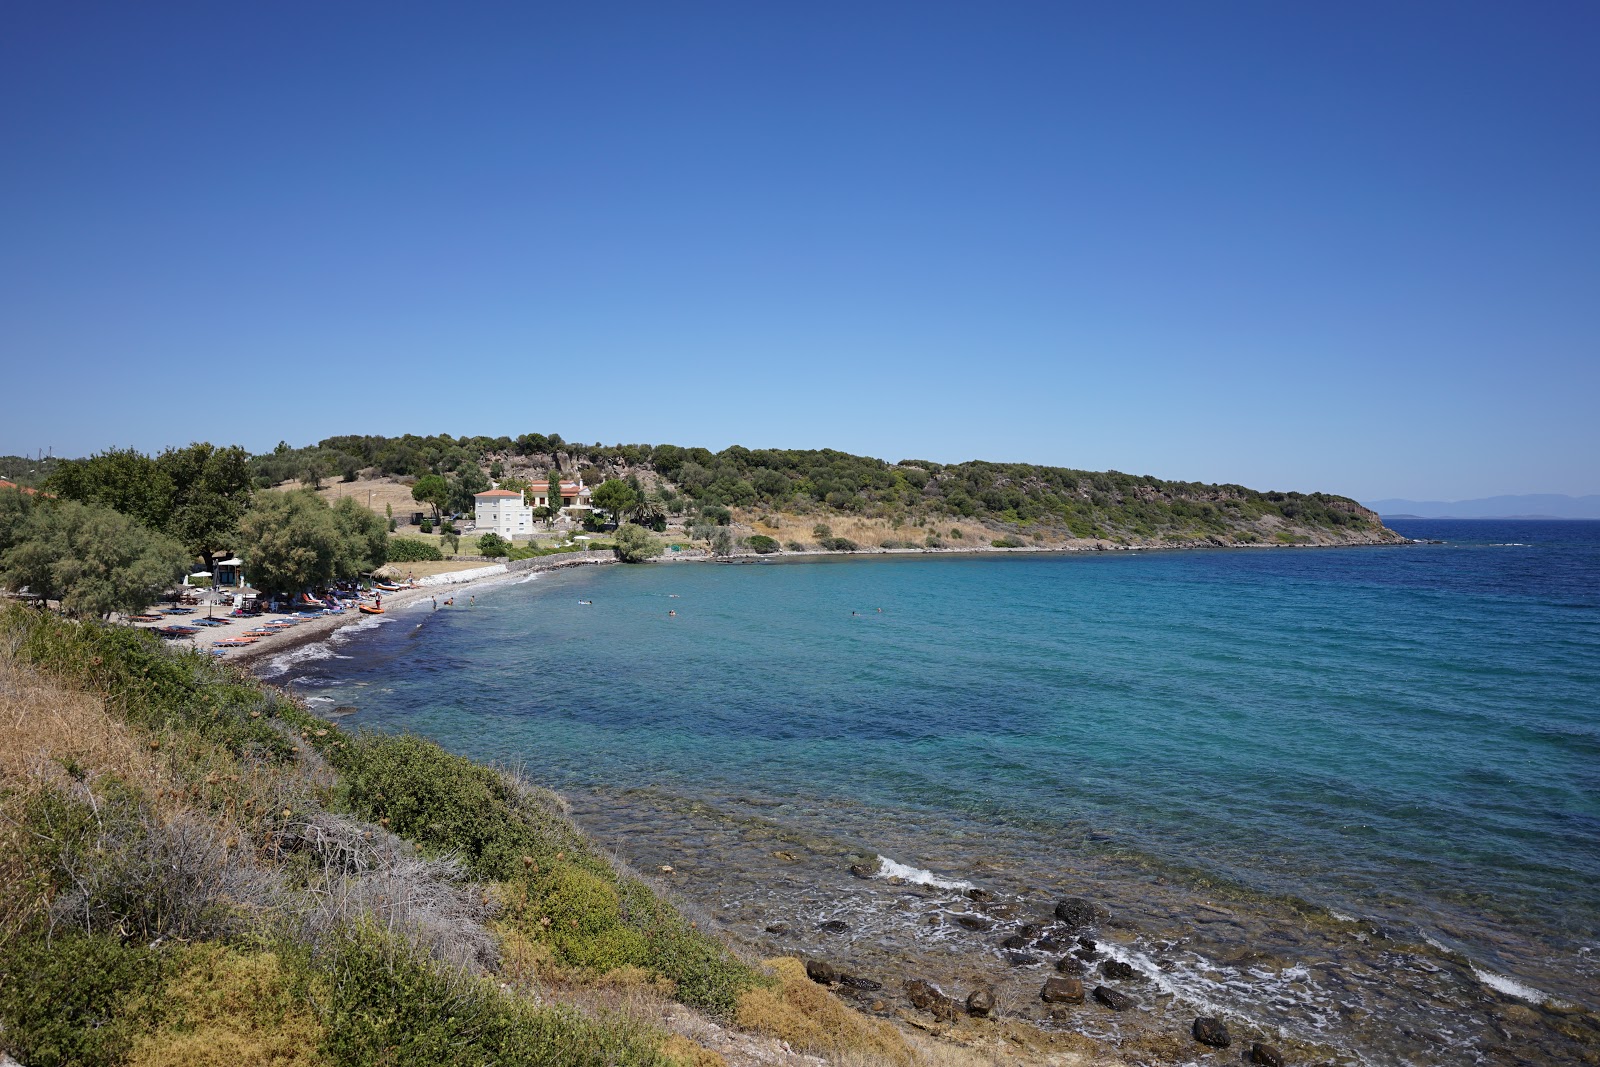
(1406, 737)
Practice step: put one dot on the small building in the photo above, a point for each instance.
(503, 512)
(574, 496)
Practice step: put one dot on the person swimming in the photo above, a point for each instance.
(589, 602)
(671, 612)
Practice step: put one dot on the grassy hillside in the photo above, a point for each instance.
(1040, 504)
(194, 870)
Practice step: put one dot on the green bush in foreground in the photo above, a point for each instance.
(763, 545)
(389, 1005)
(634, 544)
(503, 833)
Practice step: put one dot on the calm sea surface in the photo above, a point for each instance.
(1348, 797)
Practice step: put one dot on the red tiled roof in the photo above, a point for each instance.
(497, 492)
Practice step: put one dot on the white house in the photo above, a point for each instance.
(502, 511)
(574, 495)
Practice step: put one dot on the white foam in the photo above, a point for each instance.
(1509, 986)
(888, 868)
(283, 661)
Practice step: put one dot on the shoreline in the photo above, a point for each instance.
(312, 631)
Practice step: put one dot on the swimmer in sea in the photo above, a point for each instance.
(590, 602)
(671, 612)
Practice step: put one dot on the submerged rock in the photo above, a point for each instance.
(980, 1003)
(1048, 944)
(833, 926)
(1213, 1032)
(859, 983)
(1119, 971)
(1062, 991)
(974, 922)
(778, 928)
(979, 895)
(862, 870)
(1265, 1055)
(1020, 959)
(1014, 941)
(1114, 1000)
(1076, 912)
(1070, 965)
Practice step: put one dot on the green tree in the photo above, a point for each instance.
(433, 491)
(289, 541)
(614, 496)
(122, 479)
(634, 544)
(93, 560)
(211, 488)
(465, 485)
(762, 545)
(493, 545)
(363, 539)
(722, 542)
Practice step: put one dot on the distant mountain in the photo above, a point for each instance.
(1528, 506)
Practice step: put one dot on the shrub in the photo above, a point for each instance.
(634, 544)
(70, 1000)
(413, 550)
(932, 541)
(763, 545)
(821, 531)
(955, 532)
(1008, 542)
(838, 544)
(426, 526)
(794, 546)
(493, 545)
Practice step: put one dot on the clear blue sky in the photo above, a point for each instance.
(1351, 247)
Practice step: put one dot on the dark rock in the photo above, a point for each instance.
(1088, 955)
(1048, 944)
(859, 983)
(778, 928)
(861, 870)
(1213, 1032)
(833, 926)
(1265, 1055)
(1020, 959)
(1112, 999)
(1118, 971)
(1002, 910)
(1076, 912)
(926, 997)
(980, 1003)
(1014, 941)
(1070, 965)
(974, 922)
(821, 973)
(1062, 991)
(980, 895)
(1088, 943)
(1028, 930)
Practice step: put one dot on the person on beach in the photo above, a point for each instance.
(435, 603)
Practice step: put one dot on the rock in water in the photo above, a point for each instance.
(1112, 999)
(1213, 1032)
(833, 926)
(1076, 912)
(974, 922)
(980, 1003)
(1265, 1055)
(1062, 991)
(821, 973)
(979, 895)
(1014, 941)
(861, 870)
(1118, 971)
(1070, 966)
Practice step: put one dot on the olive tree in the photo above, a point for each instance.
(634, 544)
(92, 560)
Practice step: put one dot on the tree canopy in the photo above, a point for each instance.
(293, 540)
(91, 559)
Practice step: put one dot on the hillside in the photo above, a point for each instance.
(914, 503)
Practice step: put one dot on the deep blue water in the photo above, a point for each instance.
(1411, 733)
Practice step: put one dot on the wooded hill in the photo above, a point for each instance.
(1045, 504)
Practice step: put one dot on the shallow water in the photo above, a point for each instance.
(1349, 798)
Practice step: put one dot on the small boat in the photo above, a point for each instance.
(387, 588)
(367, 609)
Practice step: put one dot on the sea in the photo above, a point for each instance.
(1345, 799)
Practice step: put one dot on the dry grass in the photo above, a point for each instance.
(229, 1009)
(370, 492)
(869, 533)
(808, 1017)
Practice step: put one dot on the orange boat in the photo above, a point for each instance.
(369, 610)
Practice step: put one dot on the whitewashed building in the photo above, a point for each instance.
(503, 512)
